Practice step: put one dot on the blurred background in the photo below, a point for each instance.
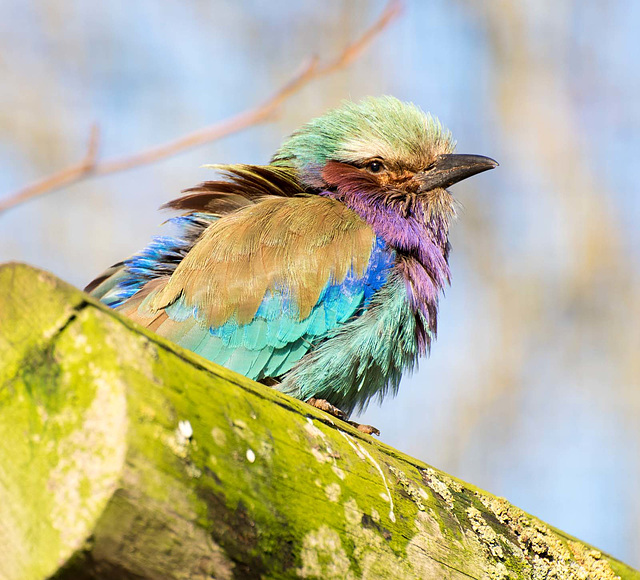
(532, 390)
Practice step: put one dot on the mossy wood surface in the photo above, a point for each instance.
(125, 456)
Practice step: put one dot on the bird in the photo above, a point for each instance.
(317, 274)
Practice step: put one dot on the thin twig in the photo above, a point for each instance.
(91, 166)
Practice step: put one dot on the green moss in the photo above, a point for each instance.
(171, 463)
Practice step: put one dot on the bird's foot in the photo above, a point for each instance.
(327, 407)
(368, 429)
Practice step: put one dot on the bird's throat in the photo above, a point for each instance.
(420, 239)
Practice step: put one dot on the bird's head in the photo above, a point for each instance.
(379, 144)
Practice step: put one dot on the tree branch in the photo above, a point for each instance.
(236, 480)
(90, 166)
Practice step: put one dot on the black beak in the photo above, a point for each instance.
(449, 169)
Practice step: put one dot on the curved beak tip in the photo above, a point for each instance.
(479, 163)
(452, 168)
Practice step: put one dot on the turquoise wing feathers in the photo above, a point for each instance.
(276, 338)
(283, 329)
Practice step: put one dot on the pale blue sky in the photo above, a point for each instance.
(531, 391)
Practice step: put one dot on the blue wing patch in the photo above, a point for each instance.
(160, 258)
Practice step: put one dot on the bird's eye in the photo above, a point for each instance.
(375, 166)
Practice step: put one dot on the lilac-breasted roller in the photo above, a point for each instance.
(318, 274)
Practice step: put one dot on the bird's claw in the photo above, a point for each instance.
(368, 429)
(327, 407)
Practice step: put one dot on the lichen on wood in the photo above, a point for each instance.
(125, 456)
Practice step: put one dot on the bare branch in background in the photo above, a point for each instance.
(91, 166)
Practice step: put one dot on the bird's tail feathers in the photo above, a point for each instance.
(158, 260)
